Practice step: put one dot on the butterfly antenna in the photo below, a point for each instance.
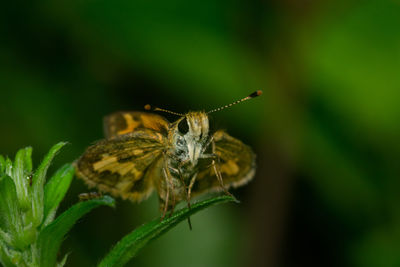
(250, 96)
(149, 107)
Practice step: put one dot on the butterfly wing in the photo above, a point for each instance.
(236, 163)
(125, 165)
(123, 122)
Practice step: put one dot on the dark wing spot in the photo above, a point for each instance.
(139, 186)
(108, 178)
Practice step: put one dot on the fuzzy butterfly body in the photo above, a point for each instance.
(143, 152)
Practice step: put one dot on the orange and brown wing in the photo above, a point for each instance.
(123, 122)
(236, 164)
(124, 166)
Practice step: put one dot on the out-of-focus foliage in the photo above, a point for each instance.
(326, 130)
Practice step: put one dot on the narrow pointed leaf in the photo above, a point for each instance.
(28, 160)
(9, 167)
(10, 213)
(22, 166)
(50, 238)
(2, 164)
(63, 261)
(8, 204)
(40, 174)
(5, 237)
(55, 190)
(4, 257)
(38, 182)
(129, 245)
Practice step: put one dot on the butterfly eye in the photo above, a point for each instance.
(183, 126)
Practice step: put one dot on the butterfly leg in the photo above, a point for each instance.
(190, 187)
(219, 177)
(209, 142)
(173, 201)
(164, 203)
(218, 172)
(170, 186)
(188, 195)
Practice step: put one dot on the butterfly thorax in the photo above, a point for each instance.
(189, 140)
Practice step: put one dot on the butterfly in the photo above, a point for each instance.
(143, 152)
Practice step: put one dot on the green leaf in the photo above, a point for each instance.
(8, 203)
(40, 174)
(10, 219)
(50, 238)
(2, 164)
(63, 261)
(55, 190)
(5, 237)
(22, 166)
(129, 245)
(28, 160)
(9, 167)
(38, 182)
(4, 256)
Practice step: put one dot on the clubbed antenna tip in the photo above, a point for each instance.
(255, 94)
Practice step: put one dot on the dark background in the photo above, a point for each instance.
(326, 130)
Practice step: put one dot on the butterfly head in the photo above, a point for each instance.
(190, 136)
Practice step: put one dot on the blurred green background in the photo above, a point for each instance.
(326, 130)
